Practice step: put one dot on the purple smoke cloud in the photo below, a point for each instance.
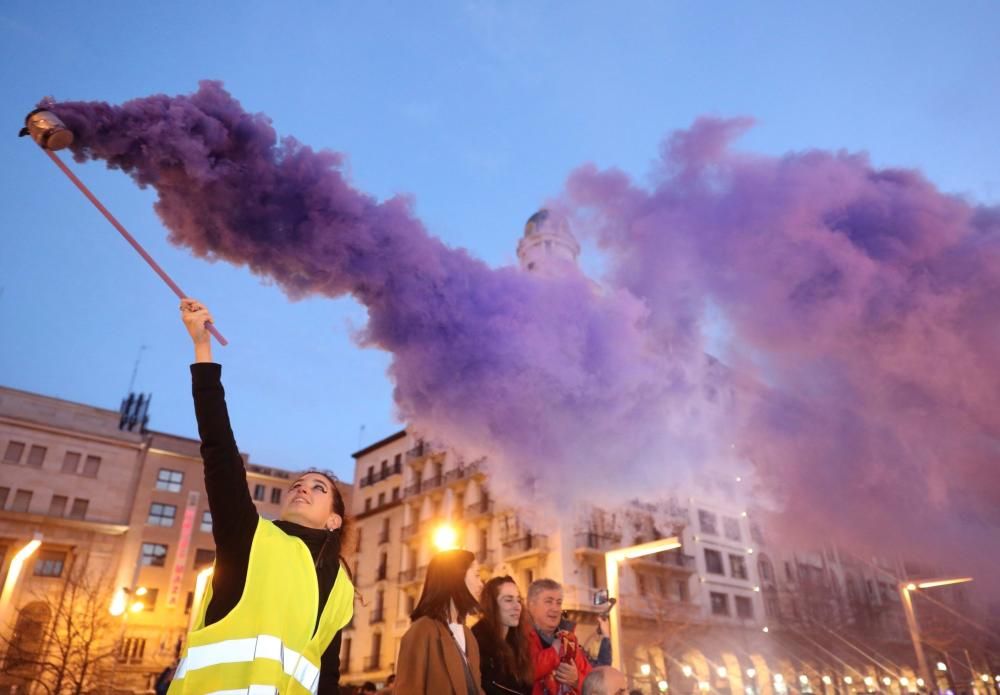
(854, 305)
(553, 379)
(862, 304)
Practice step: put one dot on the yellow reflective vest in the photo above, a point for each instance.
(269, 644)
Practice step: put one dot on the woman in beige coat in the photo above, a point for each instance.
(438, 654)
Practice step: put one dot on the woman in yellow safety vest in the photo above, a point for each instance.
(270, 622)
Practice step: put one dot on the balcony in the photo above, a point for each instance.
(591, 541)
(529, 544)
(420, 451)
(462, 472)
(411, 575)
(410, 530)
(423, 486)
(479, 509)
(394, 469)
(671, 560)
(373, 663)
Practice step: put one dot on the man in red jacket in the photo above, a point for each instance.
(560, 664)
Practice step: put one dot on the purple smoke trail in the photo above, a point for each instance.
(555, 381)
(863, 301)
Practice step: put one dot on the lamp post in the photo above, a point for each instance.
(905, 591)
(612, 559)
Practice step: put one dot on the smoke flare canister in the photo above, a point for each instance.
(47, 130)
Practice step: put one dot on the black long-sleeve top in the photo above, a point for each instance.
(234, 516)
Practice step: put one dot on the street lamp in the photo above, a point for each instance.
(612, 559)
(445, 537)
(907, 588)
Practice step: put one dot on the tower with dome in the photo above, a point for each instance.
(548, 247)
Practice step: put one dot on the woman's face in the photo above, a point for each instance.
(309, 502)
(473, 581)
(509, 602)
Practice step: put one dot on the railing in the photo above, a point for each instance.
(422, 486)
(481, 508)
(525, 544)
(672, 559)
(413, 574)
(394, 469)
(598, 541)
(410, 530)
(419, 451)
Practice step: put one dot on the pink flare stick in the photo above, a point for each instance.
(129, 238)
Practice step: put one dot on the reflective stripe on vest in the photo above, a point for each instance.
(252, 690)
(250, 649)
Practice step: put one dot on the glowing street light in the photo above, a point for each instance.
(848, 680)
(614, 558)
(804, 679)
(703, 686)
(445, 537)
(942, 666)
(644, 669)
(907, 588)
(662, 685)
(13, 572)
(687, 671)
(722, 672)
(887, 681)
(827, 680)
(751, 672)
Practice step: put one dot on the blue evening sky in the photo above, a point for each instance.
(478, 109)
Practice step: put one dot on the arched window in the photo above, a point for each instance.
(29, 635)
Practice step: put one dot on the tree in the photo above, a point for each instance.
(64, 640)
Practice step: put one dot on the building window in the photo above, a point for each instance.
(384, 535)
(345, 655)
(206, 521)
(14, 452)
(57, 507)
(640, 581)
(357, 544)
(203, 557)
(383, 567)
(161, 514)
(154, 554)
(50, 564)
(397, 463)
(4, 494)
(395, 494)
(71, 461)
(169, 480)
(368, 504)
(713, 561)
(764, 567)
(258, 492)
(731, 528)
(707, 522)
(720, 603)
(744, 607)
(275, 495)
(682, 590)
(132, 650)
(381, 499)
(22, 501)
(384, 470)
(36, 456)
(91, 466)
(593, 577)
(738, 566)
(79, 509)
(789, 575)
(375, 660)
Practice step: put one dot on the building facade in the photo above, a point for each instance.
(123, 511)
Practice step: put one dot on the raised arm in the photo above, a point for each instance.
(234, 517)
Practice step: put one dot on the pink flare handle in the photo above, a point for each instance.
(129, 238)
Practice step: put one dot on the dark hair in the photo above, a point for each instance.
(339, 536)
(446, 583)
(515, 659)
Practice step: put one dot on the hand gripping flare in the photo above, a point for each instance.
(51, 134)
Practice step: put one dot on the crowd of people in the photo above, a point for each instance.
(281, 594)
